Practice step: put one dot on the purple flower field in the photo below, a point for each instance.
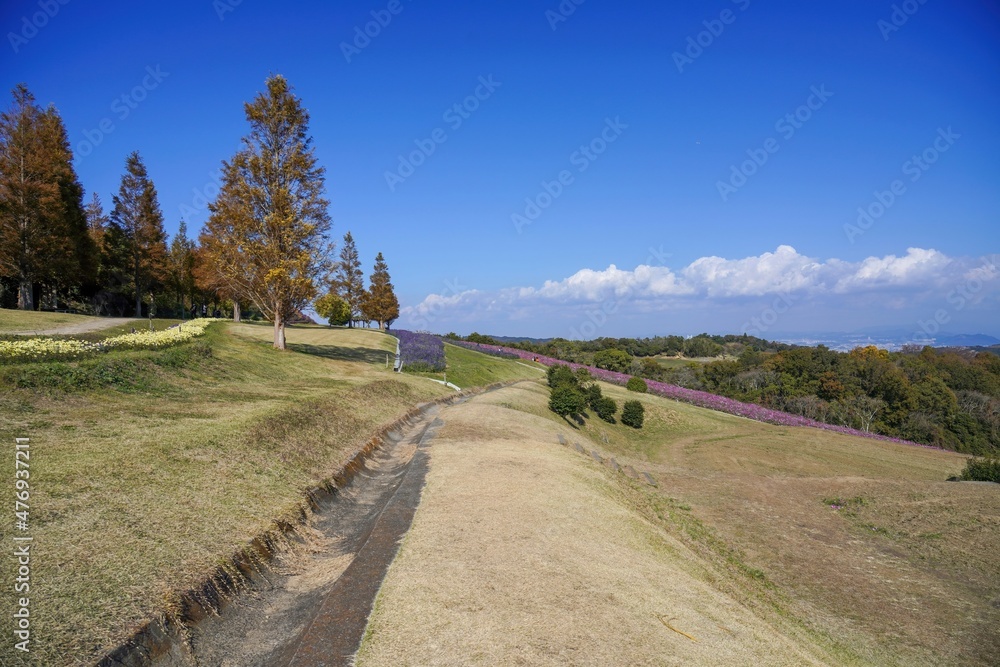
(421, 351)
(701, 399)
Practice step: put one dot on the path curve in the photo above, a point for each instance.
(78, 328)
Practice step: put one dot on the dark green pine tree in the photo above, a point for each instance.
(348, 281)
(180, 268)
(138, 244)
(97, 225)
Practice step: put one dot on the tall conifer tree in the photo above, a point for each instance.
(137, 225)
(266, 235)
(381, 303)
(43, 236)
(348, 280)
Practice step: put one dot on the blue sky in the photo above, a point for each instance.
(610, 169)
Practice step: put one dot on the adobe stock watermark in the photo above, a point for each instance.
(223, 7)
(31, 25)
(596, 319)
(786, 126)
(22, 544)
(581, 159)
(769, 316)
(958, 298)
(364, 34)
(562, 13)
(901, 13)
(202, 196)
(914, 168)
(697, 43)
(433, 310)
(122, 107)
(454, 116)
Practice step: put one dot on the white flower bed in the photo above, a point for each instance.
(35, 349)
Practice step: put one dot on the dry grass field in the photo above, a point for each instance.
(140, 488)
(759, 544)
(769, 545)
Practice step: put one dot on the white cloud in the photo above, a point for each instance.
(782, 271)
(892, 281)
(918, 267)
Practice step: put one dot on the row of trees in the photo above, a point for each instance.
(572, 393)
(348, 302)
(629, 355)
(265, 243)
(949, 398)
(944, 397)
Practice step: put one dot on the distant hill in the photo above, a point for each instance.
(523, 339)
(965, 340)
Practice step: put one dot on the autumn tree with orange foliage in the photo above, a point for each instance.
(266, 237)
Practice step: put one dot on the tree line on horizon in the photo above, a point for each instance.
(265, 249)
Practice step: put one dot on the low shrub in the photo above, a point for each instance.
(605, 408)
(636, 384)
(981, 470)
(594, 395)
(559, 375)
(567, 401)
(633, 414)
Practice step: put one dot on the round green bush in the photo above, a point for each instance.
(636, 384)
(633, 414)
(605, 408)
(567, 401)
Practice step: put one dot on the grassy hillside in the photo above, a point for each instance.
(862, 541)
(525, 552)
(147, 467)
(467, 368)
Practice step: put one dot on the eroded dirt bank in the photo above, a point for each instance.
(311, 608)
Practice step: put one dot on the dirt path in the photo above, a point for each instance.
(315, 609)
(520, 552)
(524, 552)
(79, 327)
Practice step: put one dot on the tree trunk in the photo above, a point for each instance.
(25, 297)
(236, 311)
(138, 303)
(279, 332)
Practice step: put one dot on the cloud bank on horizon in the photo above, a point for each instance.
(923, 289)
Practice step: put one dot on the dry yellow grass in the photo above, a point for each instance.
(523, 552)
(136, 496)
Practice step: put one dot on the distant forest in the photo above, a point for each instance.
(947, 397)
